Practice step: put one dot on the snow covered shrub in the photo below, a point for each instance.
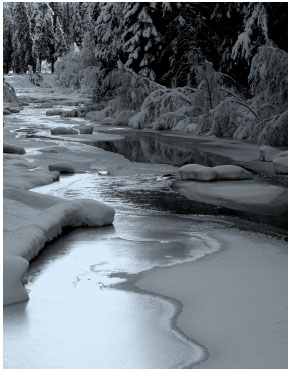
(169, 120)
(128, 88)
(88, 79)
(269, 81)
(275, 131)
(122, 118)
(161, 102)
(68, 69)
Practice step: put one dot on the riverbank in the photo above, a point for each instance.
(234, 301)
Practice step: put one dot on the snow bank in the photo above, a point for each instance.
(63, 130)
(54, 112)
(281, 165)
(47, 105)
(11, 148)
(31, 220)
(14, 269)
(268, 153)
(204, 173)
(86, 129)
(62, 167)
(231, 172)
(188, 171)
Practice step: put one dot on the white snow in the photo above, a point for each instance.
(231, 172)
(189, 171)
(31, 220)
(204, 173)
(14, 268)
(85, 129)
(268, 153)
(281, 165)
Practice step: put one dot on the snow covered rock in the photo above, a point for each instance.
(63, 130)
(14, 268)
(62, 167)
(281, 165)
(188, 171)
(14, 109)
(205, 174)
(86, 129)
(47, 105)
(54, 112)
(268, 153)
(6, 112)
(11, 148)
(231, 172)
(282, 154)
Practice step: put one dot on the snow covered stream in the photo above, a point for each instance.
(72, 301)
(85, 310)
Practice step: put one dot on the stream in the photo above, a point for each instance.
(84, 309)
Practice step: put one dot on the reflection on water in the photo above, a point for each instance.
(76, 318)
(158, 149)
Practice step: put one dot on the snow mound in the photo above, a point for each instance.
(11, 148)
(14, 268)
(62, 167)
(63, 130)
(282, 154)
(205, 174)
(268, 153)
(86, 129)
(222, 172)
(12, 109)
(31, 220)
(6, 112)
(189, 171)
(281, 165)
(231, 172)
(54, 112)
(47, 105)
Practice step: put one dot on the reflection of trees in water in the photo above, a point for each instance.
(162, 150)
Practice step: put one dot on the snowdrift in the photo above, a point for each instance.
(31, 220)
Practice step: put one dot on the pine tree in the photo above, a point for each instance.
(141, 39)
(7, 38)
(22, 42)
(76, 24)
(107, 34)
(43, 40)
(61, 47)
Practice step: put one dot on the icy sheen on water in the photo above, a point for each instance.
(77, 315)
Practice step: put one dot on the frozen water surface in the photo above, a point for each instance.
(76, 316)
